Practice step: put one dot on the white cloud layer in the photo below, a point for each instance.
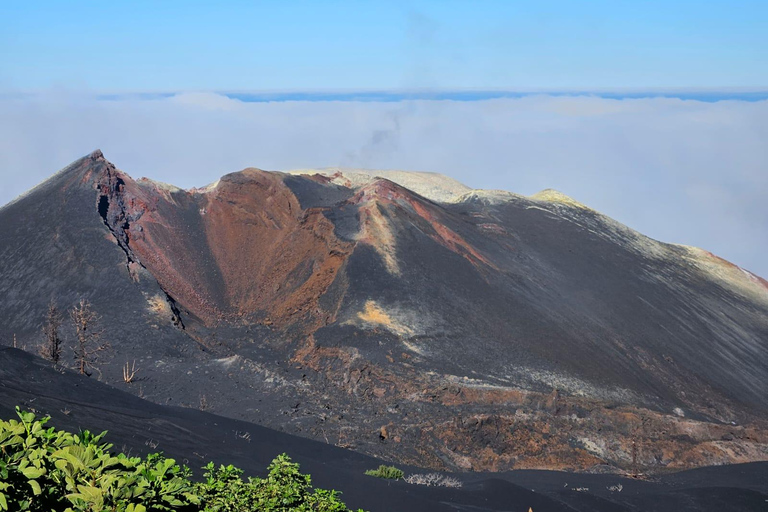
(680, 171)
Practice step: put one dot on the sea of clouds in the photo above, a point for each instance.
(680, 171)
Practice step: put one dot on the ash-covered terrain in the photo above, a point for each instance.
(402, 315)
(193, 438)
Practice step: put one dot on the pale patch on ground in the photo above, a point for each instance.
(432, 185)
(376, 232)
(522, 376)
(592, 446)
(553, 196)
(159, 185)
(159, 306)
(402, 323)
(734, 277)
(413, 347)
(470, 382)
(208, 188)
(695, 429)
(226, 362)
(461, 461)
(375, 316)
(493, 228)
(489, 197)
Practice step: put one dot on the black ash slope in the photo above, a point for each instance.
(194, 437)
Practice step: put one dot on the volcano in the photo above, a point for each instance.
(402, 315)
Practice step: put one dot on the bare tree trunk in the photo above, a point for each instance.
(88, 342)
(51, 348)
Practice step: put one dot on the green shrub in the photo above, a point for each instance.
(388, 472)
(284, 489)
(45, 469)
(42, 469)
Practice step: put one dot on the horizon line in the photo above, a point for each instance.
(706, 94)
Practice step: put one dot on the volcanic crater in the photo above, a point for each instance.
(403, 315)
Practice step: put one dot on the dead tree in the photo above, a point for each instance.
(51, 348)
(129, 372)
(88, 342)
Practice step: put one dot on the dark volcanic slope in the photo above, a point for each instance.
(488, 332)
(195, 437)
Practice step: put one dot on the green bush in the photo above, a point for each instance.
(388, 472)
(284, 489)
(46, 469)
(43, 469)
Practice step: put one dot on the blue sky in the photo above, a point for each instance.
(345, 45)
(185, 92)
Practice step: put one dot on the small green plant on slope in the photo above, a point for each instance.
(42, 469)
(388, 472)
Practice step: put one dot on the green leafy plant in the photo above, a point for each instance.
(284, 489)
(43, 469)
(224, 489)
(388, 472)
